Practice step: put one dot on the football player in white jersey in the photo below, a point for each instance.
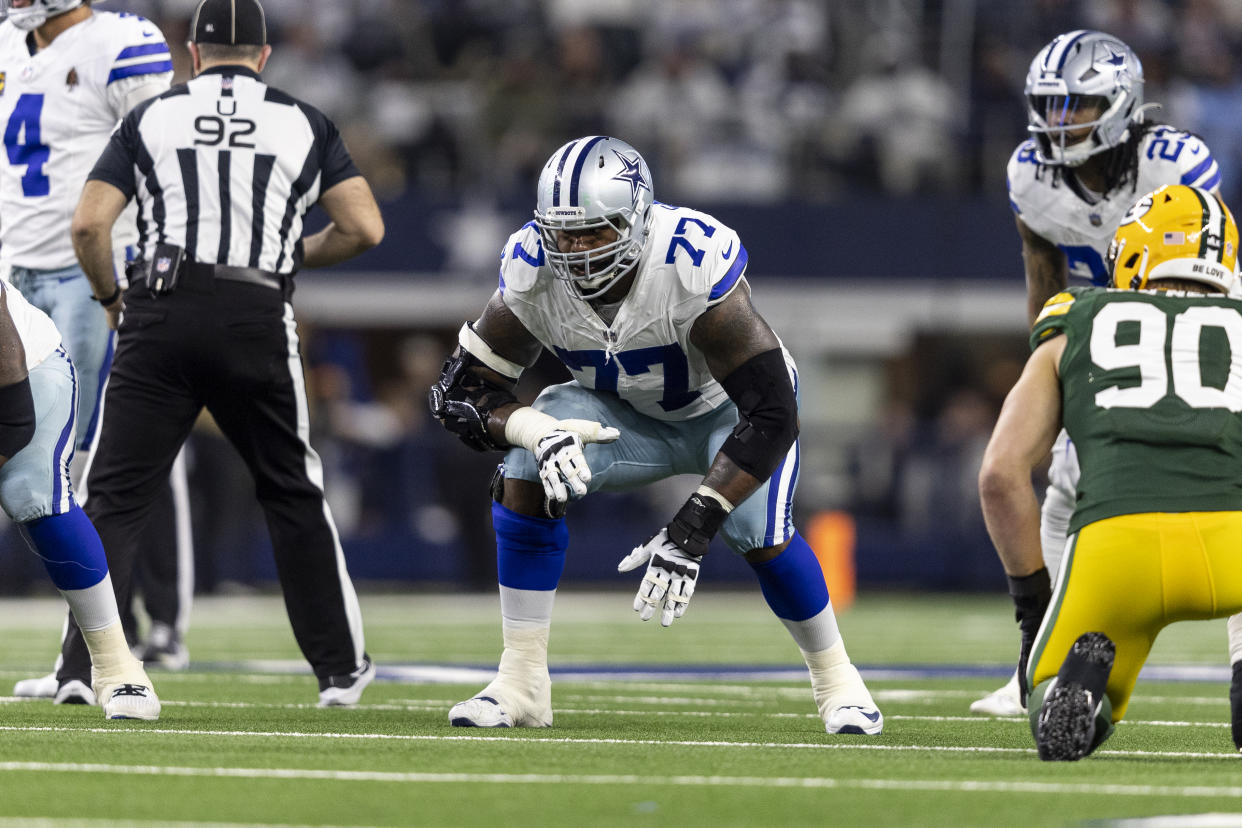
(648, 307)
(1091, 154)
(38, 406)
(68, 75)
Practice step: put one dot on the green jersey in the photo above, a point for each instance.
(1151, 395)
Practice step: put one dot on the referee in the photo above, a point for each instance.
(223, 168)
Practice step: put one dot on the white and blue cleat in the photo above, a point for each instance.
(857, 719)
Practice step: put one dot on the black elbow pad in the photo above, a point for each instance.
(767, 410)
(17, 417)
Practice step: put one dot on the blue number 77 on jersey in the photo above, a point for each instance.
(23, 139)
(677, 393)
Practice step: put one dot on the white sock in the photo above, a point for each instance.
(94, 607)
(527, 607)
(819, 632)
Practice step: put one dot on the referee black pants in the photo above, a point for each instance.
(231, 347)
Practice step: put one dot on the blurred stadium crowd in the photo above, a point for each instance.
(801, 100)
(785, 104)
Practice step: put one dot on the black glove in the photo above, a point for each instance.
(1031, 596)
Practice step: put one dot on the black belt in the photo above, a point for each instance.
(139, 271)
(250, 275)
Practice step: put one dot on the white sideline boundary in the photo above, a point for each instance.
(935, 785)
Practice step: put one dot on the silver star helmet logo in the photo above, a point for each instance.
(632, 173)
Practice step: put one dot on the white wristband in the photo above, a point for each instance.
(525, 427)
(707, 491)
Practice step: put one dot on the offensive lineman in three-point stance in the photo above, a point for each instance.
(674, 372)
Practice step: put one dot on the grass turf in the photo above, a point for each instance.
(245, 744)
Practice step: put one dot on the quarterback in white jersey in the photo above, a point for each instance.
(1092, 154)
(58, 107)
(675, 372)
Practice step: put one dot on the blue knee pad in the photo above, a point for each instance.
(70, 548)
(530, 551)
(793, 582)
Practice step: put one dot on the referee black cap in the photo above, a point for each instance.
(230, 22)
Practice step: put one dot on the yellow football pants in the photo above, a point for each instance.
(1131, 576)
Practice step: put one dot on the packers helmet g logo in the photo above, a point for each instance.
(1175, 232)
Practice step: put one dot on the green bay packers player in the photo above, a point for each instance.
(648, 307)
(1147, 379)
(1091, 154)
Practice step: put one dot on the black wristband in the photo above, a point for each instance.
(1037, 583)
(1031, 594)
(696, 523)
(110, 300)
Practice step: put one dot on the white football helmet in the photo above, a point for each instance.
(29, 18)
(1078, 70)
(594, 182)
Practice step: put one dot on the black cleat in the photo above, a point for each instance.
(1066, 730)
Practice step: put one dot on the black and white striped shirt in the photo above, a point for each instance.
(226, 167)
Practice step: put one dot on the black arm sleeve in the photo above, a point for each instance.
(17, 417)
(767, 410)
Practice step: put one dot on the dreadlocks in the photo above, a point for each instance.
(1123, 161)
(1120, 164)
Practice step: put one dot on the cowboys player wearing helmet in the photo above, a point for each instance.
(674, 372)
(1154, 535)
(1091, 154)
(68, 74)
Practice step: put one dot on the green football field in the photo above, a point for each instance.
(709, 722)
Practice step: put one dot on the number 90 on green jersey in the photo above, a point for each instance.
(1151, 397)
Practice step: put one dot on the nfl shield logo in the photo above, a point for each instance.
(1095, 219)
(162, 264)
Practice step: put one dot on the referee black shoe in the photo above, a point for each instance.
(345, 690)
(1067, 719)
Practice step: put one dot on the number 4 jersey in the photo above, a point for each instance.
(58, 108)
(691, 262)
(1151, 395)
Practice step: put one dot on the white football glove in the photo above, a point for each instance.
(670, 578)
(557, 446)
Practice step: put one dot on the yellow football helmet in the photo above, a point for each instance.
(1175, 232)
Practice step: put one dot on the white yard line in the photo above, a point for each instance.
(503, 738)
(423, 705)
(966, 786)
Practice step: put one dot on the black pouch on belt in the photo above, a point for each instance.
(166, 266)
